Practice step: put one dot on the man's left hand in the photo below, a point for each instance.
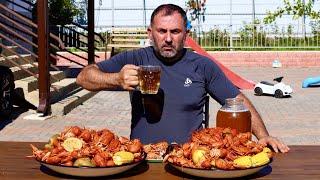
(275, 143)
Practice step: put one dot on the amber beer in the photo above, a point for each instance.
(149, 79)
(234, 115)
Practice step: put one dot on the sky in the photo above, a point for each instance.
(129, 13)
(103, 15)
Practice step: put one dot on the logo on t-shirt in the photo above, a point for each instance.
(187, 83)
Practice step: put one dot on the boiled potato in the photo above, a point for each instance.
(122, 157)
(72, 143)
(53, 139)
(48, 146)
(84, 162)
(198, 156)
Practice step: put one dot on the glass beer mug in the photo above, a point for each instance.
(149, 79)
(234, 114)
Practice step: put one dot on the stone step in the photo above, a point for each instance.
(58, 91)
(6, 61)
(6, 52)
(21, 73)
(69, 103)
(63, 89)
(30, 83)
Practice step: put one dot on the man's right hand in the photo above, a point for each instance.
(128, 77)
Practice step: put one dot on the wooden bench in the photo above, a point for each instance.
(128, 38)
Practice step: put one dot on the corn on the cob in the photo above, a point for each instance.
(260, 159)
(243, 162)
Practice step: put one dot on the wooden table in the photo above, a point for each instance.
(302, 162)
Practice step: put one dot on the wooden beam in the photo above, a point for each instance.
(91, 31)
(43, 60)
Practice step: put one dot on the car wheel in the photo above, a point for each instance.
(278, 94)
(258, 91)
(6, 90)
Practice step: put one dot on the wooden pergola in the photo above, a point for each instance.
(43, 51)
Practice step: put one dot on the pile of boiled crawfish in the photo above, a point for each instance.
(219, 147)
(97, 147)
(156, 151)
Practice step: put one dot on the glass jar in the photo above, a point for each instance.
(234, 114)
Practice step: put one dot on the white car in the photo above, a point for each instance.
(279, 89)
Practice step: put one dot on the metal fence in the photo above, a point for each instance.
(243, 37)
(73, 36)
(256, 37)
(69, 35)
(223, 25)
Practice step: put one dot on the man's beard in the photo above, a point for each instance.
(168, 55)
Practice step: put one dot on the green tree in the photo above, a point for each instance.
(315, 27)
(253, 34)
(196, 9)
(290, 30)
(82, 6)
(297, 8)
(61, 12)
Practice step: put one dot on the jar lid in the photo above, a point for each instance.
(234, 104)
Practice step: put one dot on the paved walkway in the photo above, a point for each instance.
(295, 120)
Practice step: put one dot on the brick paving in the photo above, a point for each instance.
(294, 120)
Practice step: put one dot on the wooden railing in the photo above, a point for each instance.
(16, 24)
(15, 34)
(28, 22)
(66, 37)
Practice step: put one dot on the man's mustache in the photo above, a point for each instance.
(167, 46)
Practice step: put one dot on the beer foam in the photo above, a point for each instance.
(234, 110)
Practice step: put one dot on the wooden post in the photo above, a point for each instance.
(90, 31)
(43, 54)
(70, 38)
(206, 112)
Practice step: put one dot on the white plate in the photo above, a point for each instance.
(217, 173)
(90, 171)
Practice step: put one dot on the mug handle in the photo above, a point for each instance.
(137, 88)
